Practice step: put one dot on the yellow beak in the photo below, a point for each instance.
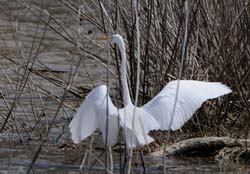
(103, 38)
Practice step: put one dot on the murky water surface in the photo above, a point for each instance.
(16, 159)
(51, 59)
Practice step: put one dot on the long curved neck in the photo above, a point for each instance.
(123, 68)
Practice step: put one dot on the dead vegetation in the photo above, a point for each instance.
(50, 60)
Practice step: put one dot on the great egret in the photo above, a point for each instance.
(154, 115)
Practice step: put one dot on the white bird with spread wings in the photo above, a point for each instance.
(154, 115)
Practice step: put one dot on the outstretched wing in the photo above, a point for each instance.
(92, 114)
(191, 95)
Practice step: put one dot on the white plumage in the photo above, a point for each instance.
(154, 115)
(190, 97)
(92, 115)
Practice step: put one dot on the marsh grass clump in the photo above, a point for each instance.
(50, 60)
(217, 50)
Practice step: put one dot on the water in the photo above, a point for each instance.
(54, 161)
(39, 100)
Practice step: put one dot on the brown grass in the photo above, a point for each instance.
(218, 49)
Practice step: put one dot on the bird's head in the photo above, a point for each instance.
(115, 38)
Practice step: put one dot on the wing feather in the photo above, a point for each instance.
(191, 95)
(92, 115)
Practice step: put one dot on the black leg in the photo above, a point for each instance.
(125, 159)
(142, 162)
